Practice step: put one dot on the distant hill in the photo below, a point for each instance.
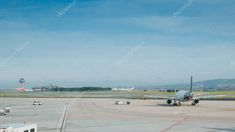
(217, 84)
(208, 85)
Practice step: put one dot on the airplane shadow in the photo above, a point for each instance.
(164, 105)
(171, 105)
(221, 129)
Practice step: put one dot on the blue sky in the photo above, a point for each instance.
(116, 42)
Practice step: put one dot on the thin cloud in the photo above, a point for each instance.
(129, 54)
(13, 54)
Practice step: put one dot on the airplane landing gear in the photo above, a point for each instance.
(174, 104)
(179, 103)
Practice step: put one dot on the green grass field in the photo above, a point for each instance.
(109, 94)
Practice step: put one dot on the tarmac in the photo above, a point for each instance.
(102, 115)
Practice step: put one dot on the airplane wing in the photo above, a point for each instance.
(158, 97)
(209, 96)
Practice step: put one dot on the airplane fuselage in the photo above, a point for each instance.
(184, 96)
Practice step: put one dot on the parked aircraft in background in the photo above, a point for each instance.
(23, 90)
(123, 89)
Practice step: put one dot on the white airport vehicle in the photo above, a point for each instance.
(7, 109)
(122, 102)
(37, 103)
(4, 111)
(18, 127)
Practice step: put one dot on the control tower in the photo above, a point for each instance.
(22, 82)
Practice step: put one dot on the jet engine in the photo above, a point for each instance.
(169, 101)
(196, 101)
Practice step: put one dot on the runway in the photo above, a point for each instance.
(102, 115)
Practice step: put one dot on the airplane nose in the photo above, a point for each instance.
(191, 94)
(188, 96)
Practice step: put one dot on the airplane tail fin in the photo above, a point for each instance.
(133, 87)
(191, 85)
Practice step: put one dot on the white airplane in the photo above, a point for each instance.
(123, 89)
(184, 96)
